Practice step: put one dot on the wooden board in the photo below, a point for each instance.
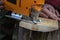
(45, 25)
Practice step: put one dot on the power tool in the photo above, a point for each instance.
(27, 11)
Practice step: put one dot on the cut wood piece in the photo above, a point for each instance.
(45, 25)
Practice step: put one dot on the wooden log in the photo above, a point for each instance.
(54, 35)
(37, 35)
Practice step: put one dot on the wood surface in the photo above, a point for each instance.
(45, 25)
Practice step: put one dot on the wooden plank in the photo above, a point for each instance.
(45, 25)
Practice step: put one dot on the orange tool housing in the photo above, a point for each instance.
(22, 6)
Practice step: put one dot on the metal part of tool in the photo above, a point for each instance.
(14, 16)
(36, 21)
(34, 14)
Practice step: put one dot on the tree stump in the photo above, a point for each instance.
(24, 34)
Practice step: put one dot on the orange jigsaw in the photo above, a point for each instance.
(23, 6)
